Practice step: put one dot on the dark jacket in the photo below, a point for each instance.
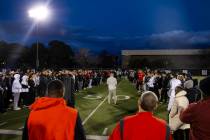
(197, 115)
(193, 95)
(69, 90)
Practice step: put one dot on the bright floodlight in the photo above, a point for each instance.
(39, 13)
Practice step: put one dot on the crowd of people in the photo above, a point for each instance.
(19, 88)
(187, 103)
(164, 83)
(183, 95)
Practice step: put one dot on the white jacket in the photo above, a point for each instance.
(112, 83)
(171, 93)
(16, 86)
(180, 101)
(151, 82)
(24, 82)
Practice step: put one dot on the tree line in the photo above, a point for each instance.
(56, 54)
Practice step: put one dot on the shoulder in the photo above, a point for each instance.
(181, 98)
(129, 118)
(192, 107)
(71, 110)
(160, 121)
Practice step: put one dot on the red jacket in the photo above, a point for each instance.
(198, 116)
(51, 119)
(142, 126)
(141, 76)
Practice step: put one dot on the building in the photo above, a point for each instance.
(167, 58)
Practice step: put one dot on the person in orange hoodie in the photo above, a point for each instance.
(143, 125)
(51, 119)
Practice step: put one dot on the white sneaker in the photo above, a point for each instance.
(16, 108)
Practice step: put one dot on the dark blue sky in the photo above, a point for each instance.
(112, 24)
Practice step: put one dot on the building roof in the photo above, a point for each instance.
(163, 52)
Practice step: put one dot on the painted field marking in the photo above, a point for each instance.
(21, 128)
(10, 132)
(91, 114)
(19, 133)
(93, 137)
(123, 97)
(92, 97)
(3, 123)
(105, 131)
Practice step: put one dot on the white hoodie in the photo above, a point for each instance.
(25, 83)
(171, 93)
(16, 86)
(112, 83)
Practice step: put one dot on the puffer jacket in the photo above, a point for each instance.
(180, 101)
(16, 86)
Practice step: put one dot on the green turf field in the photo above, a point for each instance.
(98, 116)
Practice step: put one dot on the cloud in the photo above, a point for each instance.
(173, 40)
(179, 38)
(85, 37)
(94, 39)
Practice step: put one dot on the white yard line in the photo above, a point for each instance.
(93, 137)
(21, 128)
(10, 132)
(105, 131)
(19, 133)
(3, 123)
(91, 114)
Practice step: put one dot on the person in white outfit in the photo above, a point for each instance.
(25, 90)
(151, 81)
(112, 86)
(174, 82)
(16, 90)
(180, 129)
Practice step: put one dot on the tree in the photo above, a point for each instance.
(11, 54)
(29, 56)
(136, 62)
(106, 60)
(60, 55)
(83, 57)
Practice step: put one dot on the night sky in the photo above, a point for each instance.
(111, 24)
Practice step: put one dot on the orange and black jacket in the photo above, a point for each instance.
(51, 118)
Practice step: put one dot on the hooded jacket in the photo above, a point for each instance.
(171, 93)
(180, 101)
(51, 119)
(24, 82)
(16, 86)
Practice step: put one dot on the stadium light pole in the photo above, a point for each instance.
(39, 14)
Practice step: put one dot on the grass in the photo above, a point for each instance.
(105, 117)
